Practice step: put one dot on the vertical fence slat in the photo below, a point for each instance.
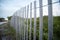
(27, 20)
(34, 20)
(41, 20)
(21, 23)
(30, 21)
(50, 21)
(25, 24)
(16, 25)
(24, 21)
(14, 20)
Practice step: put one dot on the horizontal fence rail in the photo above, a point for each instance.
(24, 27)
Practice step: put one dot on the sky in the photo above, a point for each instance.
(8, 7)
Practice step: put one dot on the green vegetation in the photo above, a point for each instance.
(11, 32)
(9, 18)
(8, 31)
(2, 19)
(56, 28)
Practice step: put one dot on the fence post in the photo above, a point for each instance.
(24, 22)
(50, 20)
(16, 25)
(30, 21)
(27, 20)
(41, 20)
(21, 23)
(34, 20)
(14, 20)
(25, 25)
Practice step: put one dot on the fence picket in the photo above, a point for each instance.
(50, 21)
(30, 21)
(34, 20)
(41, 20)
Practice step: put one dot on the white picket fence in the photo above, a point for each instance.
(21, 16)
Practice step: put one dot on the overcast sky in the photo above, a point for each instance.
(8, 7)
